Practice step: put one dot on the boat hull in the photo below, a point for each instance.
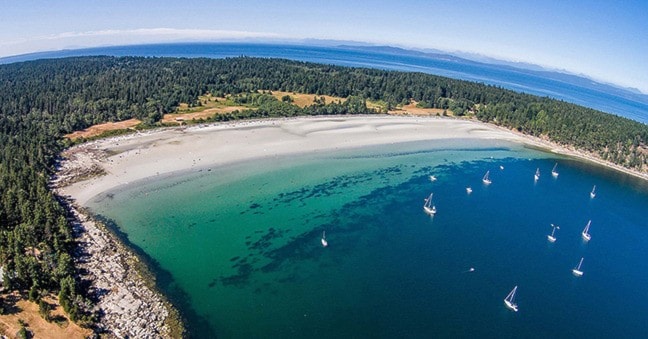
(511, 306)
(430, 211)
(577, 273)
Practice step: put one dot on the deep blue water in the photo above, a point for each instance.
(240, 247)
(242, 244)
(577, 90)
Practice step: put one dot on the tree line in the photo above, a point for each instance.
(42, 100)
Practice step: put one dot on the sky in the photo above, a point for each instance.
(604, 40)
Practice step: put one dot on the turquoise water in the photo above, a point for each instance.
(238, 247)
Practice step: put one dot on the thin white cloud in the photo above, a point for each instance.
(165, 33)
(122, 37)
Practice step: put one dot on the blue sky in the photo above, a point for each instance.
(605, 40)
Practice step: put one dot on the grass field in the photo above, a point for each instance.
(102, 128)
(303, 100)
(211, 105)
(17, 309)
(413, 110)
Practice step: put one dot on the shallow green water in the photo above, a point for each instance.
(242, 244)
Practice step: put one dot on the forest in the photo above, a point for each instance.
(40, 101)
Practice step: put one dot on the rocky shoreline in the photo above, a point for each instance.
(120, 282)
(126, 300)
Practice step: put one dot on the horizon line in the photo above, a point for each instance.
(269, 38)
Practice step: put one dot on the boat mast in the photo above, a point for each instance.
(486, 179)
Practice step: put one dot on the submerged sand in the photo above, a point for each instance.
(127, 159)
(99, 166)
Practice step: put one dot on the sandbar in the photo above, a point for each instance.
(127, 159)
(99, 166)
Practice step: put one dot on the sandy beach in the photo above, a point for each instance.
(99, 166)
(124, 294)
(127, 159)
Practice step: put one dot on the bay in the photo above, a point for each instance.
(240, 244)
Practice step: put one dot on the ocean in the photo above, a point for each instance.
(238, 248)
(572, 89)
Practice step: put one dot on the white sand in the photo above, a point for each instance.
(134, 157)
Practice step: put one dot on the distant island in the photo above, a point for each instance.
(43, 101)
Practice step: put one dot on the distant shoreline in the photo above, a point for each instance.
(624, 105)
(552, 147)
(103, 165)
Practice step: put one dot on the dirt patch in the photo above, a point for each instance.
(412, 109)
(179, 118)
(17, 308)
(95, 130)
(209, 106)
(206, 101)
(303, 100)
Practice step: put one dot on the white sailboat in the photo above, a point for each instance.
(324, 242)
(428, 207)
(554, 173)
(551, 237)
(468, 190)
(593, 192)
(433, 178)
(577, 270)
(585, 232)
(508, 301)
(486, 178)
(536, 176)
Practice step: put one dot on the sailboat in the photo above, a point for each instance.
(554, 173)
(486, 179)
(585, 232)
(509, 300)
(433, 178)
(428, 207)
(593, 192)
(536, 176)
(577, 270)
(324, 242)
(551, 237)
(468, 190)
